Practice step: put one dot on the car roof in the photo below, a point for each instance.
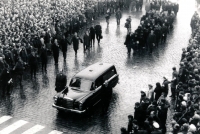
(94, 71)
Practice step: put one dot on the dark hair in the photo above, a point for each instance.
(130, 116)
(123, 130)
(158, 84)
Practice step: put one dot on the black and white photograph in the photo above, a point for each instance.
(99, 66)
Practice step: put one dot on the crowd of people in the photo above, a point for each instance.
(150, 113)
(154, 27)
(31, 30)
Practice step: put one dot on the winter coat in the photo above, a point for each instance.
(128, 41)
(55, 49)
(86, 41)
(98, 29)
(118, 15)
(33, 61)
(64, 43)
(43, 54)
(158, 92)
(92, 32)
(61, 80)
(75, 41)
(151, 39)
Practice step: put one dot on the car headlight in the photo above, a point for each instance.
(80, 106)
(55, 98)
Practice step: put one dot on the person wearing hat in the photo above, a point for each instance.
(98, 31)
(192, 128)
(156, 128)
(143, 96)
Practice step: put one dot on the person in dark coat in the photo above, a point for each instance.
(61, 81)
(137, 112)
(174, 82)
(47, 40)
(106, 96)
(165, 86)
(6, 81)
(55, 50)
(33, 63)
(86, 41)
(130, 124)
(8, 57)
(98, 31)
(43, 56)
(23, 54)
(92, 35)
(19, 69)
(64, 43)
(158, 91)
(118, 16)
(75, 41)
(162, 114)
(151, 41)
(157, 32)
(128, 42)
(164, 31)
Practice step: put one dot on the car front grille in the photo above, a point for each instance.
(70, 104)
(65, 103)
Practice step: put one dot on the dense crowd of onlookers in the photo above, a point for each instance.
(30, 30)
(150, 113)
(154, 26)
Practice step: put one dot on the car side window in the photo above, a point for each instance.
(109, 74)
(98, 82)
(93, 86)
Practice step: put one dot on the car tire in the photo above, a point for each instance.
(88, 111)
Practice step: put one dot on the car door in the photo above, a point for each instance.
(96, 97)
(111, 77)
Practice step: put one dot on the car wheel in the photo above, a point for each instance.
(88, 112)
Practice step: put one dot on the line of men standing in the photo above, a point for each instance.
(153, 29)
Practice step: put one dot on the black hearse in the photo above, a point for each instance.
(86, 87)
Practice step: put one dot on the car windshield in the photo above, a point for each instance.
(81, 84)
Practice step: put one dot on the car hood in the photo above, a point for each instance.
(74, 94)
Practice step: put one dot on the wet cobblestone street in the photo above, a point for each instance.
(33, 101)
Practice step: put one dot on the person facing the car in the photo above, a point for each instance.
(61, 81)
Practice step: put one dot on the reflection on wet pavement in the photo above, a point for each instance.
(33, 101)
